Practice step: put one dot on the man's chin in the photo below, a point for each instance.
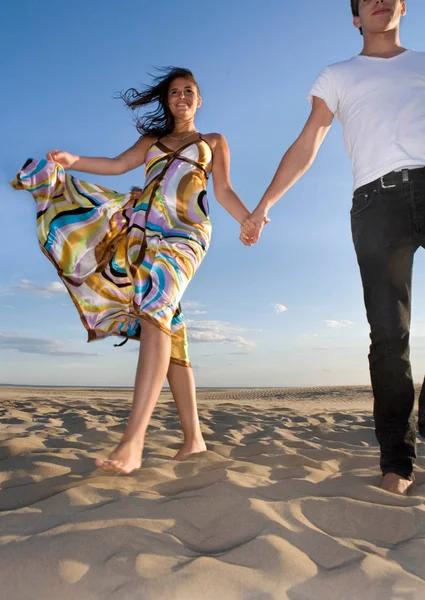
(382, 29)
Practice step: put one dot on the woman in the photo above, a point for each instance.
(127, 259)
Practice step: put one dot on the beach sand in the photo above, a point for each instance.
(284, 505)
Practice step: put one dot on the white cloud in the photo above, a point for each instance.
(44, 346)
(56, 287)
(25, 286)
(216, 332)
(191, 304)
(336, 324)
(192, 307)
(237, 353)
(279, 308)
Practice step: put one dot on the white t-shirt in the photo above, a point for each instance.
(381, 105)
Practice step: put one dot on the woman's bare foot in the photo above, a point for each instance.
(126, 458)
(391, 482)
(190, 448)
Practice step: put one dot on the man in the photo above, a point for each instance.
(379, 96)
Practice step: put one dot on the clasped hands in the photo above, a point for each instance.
(252, 227)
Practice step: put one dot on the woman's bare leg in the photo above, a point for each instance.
(154, 360)
(182, 384)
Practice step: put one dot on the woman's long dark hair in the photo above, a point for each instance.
(158, 122)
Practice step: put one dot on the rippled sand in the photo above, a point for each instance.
(284, 504)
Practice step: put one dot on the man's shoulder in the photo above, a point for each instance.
(418, 54)
(356, 61)
(342, 66)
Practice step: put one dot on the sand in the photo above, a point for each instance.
(284, 504)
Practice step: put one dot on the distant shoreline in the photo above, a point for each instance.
(208, 387)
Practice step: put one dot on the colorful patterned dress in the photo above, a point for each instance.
(126, 257)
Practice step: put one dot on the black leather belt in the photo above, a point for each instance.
(392, 180)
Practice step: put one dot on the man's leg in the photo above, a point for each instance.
(419, 203)
(421, 415)
(385, 244)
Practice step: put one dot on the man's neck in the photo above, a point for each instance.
(382, 45)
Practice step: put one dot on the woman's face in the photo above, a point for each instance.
(183, 99)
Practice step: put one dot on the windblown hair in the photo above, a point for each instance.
(160, 121)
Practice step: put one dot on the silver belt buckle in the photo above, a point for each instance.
(404, 179)
(386, 187)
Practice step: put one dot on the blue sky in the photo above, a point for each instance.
(255, 63)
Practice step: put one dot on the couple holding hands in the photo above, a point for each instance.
(126, 259)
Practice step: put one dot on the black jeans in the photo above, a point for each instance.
(388, 226)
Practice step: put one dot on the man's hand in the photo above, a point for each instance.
(252, 227)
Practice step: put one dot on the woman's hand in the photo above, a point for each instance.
(252, 227)
(65, 159)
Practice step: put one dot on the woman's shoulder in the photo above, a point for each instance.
(147, 139)
(214, 139)
(145, 142)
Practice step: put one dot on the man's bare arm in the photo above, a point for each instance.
(293, 165)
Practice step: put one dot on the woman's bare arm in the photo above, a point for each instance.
(127, 161)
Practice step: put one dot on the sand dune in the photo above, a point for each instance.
(284, 504)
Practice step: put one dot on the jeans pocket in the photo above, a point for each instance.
(418, 192)
(361, 202)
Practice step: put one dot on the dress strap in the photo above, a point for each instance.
(201, 137)
(156, 140)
